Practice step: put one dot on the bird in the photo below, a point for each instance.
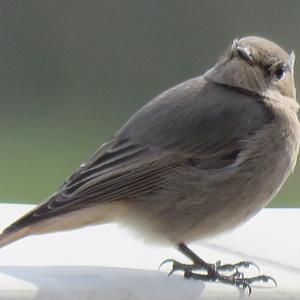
(199, 159)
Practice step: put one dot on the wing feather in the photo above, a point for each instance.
(198, 122)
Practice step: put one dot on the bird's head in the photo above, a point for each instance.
(257, 65)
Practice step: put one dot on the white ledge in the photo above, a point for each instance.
(107, 262)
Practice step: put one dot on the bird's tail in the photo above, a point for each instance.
(9, 236)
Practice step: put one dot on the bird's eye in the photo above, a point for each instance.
(279, 72)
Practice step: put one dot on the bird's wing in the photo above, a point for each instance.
(197, 122)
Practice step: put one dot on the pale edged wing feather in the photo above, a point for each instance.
(198, 123)
(111, 174)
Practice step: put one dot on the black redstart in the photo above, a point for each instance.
(199, 159)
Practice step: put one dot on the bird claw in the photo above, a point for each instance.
(237, 278)
(262, 278)
(165, 262)
(247, 265)
(177, 266)
(237, 266)
(174, 262)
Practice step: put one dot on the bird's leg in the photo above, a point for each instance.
(213, 270)
(198, 262)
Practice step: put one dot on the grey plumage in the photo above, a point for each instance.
(200, 158)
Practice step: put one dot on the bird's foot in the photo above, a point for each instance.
(214, 273)
(237, 279)
(211, 268)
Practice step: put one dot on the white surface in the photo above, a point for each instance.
(107, 262)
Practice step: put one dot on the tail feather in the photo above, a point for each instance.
(7, 237)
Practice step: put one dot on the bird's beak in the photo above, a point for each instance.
(292, 60)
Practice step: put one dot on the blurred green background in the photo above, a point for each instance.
(72, 72)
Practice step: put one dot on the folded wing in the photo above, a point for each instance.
(197, 122)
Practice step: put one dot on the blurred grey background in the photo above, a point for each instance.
(72, 72)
